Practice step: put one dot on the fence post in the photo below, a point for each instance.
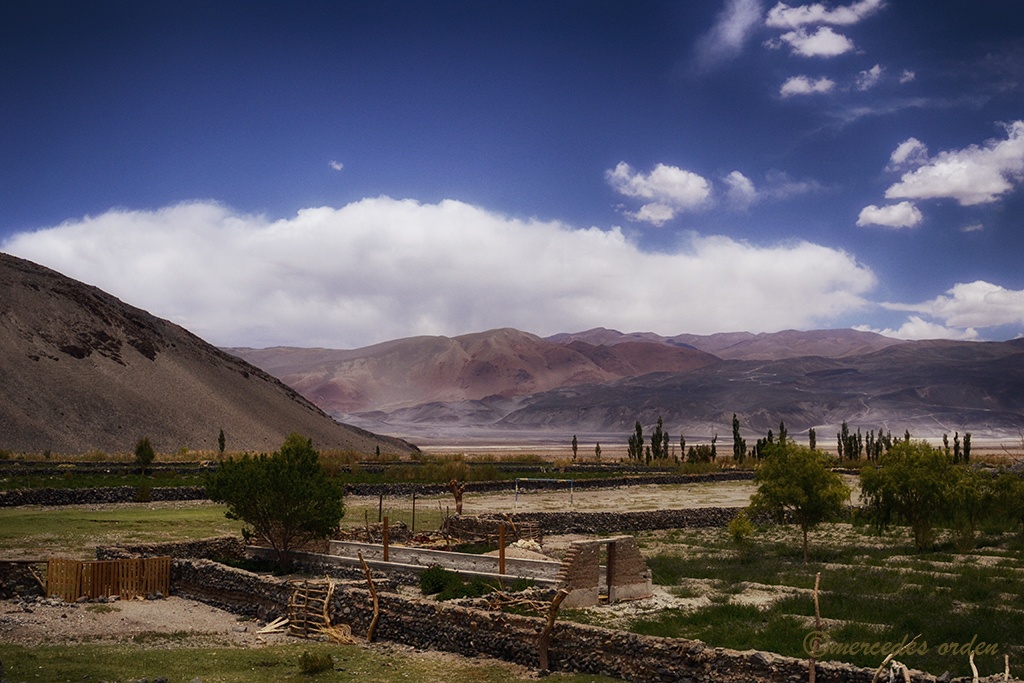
(385, 538)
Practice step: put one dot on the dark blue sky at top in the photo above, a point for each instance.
(520, 108)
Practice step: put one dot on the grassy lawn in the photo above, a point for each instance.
(75, 531)
(94, 662)
(873, 590)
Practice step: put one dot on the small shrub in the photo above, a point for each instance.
(436, 579)
(314, 663)
(740, 528)
(143, 493)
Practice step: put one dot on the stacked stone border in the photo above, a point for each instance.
(130, 494)
(472, 632)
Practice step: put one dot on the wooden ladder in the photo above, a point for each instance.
(309, 607)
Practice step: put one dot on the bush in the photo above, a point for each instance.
(143, 493)
(740, 527)
(144, 453)
(436, 579)
(314, 663)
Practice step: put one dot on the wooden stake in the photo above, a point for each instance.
(372, 629)
(414, 512)
(386, 540)
(811, 672)
(501, 549)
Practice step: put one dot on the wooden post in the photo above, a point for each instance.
(380, 507)
(811, 668)
(501, 549)
(385, 538)
(413, 512)
(610, 570)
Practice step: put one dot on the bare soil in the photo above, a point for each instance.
(168, 622)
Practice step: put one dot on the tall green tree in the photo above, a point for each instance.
(812, 439)
(636, 443)
(910, 485)
(575, 447)
(795, 482)
(659, 441)
(220, 442)
(287, 497)
(739, 444)
(144, 453)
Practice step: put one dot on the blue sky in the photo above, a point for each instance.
(342, 173)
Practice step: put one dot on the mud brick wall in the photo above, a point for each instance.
(473, 632)
(627, 522)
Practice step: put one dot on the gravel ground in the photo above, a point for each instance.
(167, 622)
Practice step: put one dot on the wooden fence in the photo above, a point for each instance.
(72, 579)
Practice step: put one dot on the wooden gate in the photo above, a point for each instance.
(130, 578)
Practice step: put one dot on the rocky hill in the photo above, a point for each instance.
(84, 371)
(497, 364)
(508, 383)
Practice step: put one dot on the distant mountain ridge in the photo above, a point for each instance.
(603, 380)
(748, 346)
(84, 371)
(498, 363)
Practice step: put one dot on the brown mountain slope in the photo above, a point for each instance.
(418, 370)
(748, 346)
(83, 371)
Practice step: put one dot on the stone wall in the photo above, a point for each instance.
(131, 494)
(219, 548)
(472, 632)
(95, 496)
(407, 489)
(597, 522)
(17, 579)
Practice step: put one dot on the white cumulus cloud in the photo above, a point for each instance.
(740, 189)
(336, 165)
(802, 85)
(902, 215)
(822, 43)
(918, 328)
(383, 268)
(733, 27)
(670, 189)
(907, 76)
(787, 16)
(910, 152)
(972, 304)
(978, 174)
(869, 78)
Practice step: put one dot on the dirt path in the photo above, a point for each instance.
(169, 622)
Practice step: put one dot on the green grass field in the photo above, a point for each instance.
(75, 531)
(94, 662)
(873, 590)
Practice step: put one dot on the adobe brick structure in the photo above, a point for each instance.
(626, 574)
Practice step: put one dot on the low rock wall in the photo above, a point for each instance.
(598, 522)
(17, 579)
(472, 632)
(219, 548)
(95, 496)
(407, 489)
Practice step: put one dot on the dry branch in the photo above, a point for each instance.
(372, 629)
(891, 656)
(544, 640)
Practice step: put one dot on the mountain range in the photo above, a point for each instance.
(84, 371)
(506, 382)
